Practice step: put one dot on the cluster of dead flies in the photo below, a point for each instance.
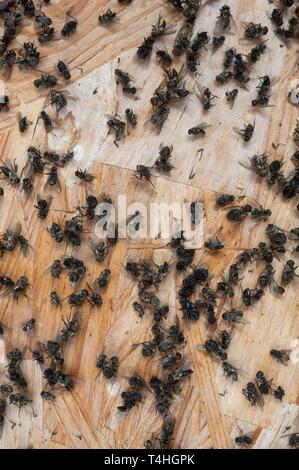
(149, 276)
(167, 342)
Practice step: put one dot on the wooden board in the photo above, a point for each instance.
(209, 406)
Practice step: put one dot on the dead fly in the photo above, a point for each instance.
(259, 163)
(163, 162)
(214, 244)
(149, 298)
(192, 61)
(52, 179)
(225, 338)
(251, 296)
(223, 200)
(57, 377)
(124, 78)
(55, 299)
(46, 81)
(70, 27)
(99, 251)
(158, 30)
(77, 298)
(57, 99)
(243, 439)
(278, 393)
(240, 69)
(293, 439)
(239, 213)
(109, 367)
(199, 42)
(260, 213)
(167, 432)
(159, 117)
(246, 132)
(71, 327)
(46, 34)
(263, 384)
(52, 349)
(131, 117)
(10, 237)
(264, 253)
(6, 282)
(224, 76)
(20, 287)
(266, 276)
(224, 289)
(28, 325)
(224, 20)
(42, 19)
(7, 62)
(24, 123)
(138, 308)
(234, 316)
(56, 232)
(27, 185)
(145, 48)
(103, 280)
(132, 396)
(5, 389)
(206, 97)
(47, 395)
(9, 172)
(230, 372)
(15, 374)
(181, 42)
(289, 272)
(67, 157)
(43, 207)
(161, 28)
(29, 56)
(254, 31)
(48, 122)
(255, 54)
(277, 238)
(252, 394)
(107, 17)
(63, 70)
(143, 172)
(281, 355)
(83, 175)
(229, 55)
(213, 347)
(163, 58)
(170, 360)
(218, 41)
(276, 16)
(117, 126)
(19, 400)
(199, 130)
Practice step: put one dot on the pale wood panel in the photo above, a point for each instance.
(207, 410)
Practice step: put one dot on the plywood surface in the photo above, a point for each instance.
(209, 406)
